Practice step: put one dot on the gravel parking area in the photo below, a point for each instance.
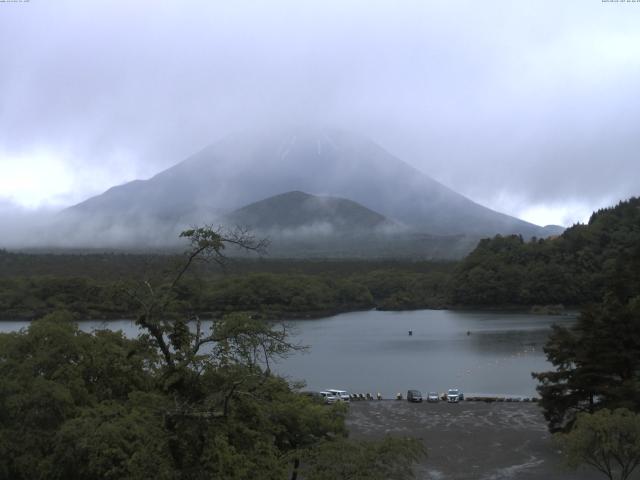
(469, 440)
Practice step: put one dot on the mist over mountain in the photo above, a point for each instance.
(297, 212)
(298, 224)
(251, 166)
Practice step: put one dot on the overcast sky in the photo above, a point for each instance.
(530, 107)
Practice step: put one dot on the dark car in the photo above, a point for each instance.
(414, 396)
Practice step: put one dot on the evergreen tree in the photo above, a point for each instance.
(597, 363)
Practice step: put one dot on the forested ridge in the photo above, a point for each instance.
(267, 289)
(591, 397)
(574, 268)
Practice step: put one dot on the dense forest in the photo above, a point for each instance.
(574, 268)
(94, 285)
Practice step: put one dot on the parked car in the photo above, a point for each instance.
(342, 395)
(414, 396)
(433, 397)
(454, 395)
(328, 397)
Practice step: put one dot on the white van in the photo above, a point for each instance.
(342, 395)
(454, 395)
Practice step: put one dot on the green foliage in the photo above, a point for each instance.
(112, 441)
(275, 295)
(400, 289)
(268, 295)
(575, 268)
(607, 441)
(77, 405)
(52, 373)
(178, 402)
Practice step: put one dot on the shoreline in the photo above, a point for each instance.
(308, 315)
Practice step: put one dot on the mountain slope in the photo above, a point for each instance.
(245, 168)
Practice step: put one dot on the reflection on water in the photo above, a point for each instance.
(479, 352)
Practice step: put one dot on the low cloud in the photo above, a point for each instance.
(493, 99)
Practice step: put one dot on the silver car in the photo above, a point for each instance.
(328, 397)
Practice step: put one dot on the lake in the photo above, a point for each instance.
(479, 352)
(371, 351)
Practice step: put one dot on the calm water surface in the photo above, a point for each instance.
(372, 351)
(479, 352)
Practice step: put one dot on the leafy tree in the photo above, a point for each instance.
(218, 378)
(608, 441)
(231, 416)
(49, 375)
(113, 441)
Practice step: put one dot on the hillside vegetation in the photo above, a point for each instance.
(571, 269)
(94, 286)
